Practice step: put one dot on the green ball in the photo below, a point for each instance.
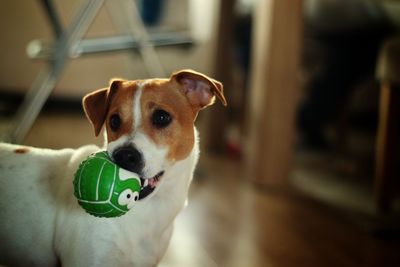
(103, 189)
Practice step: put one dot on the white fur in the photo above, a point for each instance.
(41, 223)
(116, 143)
(154, 156)
(137, 112)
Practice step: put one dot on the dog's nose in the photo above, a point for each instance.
(129, 158)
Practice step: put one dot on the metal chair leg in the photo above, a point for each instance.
(69, 44)
(48, 77)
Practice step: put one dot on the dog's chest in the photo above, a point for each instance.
(138, 238)
(130, 240)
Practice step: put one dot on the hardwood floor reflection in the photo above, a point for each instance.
(231, 222)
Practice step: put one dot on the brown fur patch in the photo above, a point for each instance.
(178, 137)
(21, 150)
(122, 104)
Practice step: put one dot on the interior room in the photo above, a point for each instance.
(301, 168)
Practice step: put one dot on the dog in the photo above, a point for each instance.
(150, 131)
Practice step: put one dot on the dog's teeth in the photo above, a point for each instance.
(146, 182)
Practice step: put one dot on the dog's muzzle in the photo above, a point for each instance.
(130, 158)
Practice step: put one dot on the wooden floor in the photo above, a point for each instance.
(232, 222)
(236, 223)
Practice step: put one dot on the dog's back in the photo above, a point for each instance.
(41, 223)
(29, 184)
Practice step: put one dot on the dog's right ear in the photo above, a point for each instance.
(96, 105)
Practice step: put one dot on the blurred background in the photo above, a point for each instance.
(301, 168)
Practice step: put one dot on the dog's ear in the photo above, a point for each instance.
(96, 104)
(199, 89)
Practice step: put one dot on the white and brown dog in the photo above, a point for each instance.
(150, 131)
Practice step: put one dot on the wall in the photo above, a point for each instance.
(22, 21)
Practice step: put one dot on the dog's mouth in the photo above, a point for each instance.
(149, 184)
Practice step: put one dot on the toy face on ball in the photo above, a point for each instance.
(103, 189)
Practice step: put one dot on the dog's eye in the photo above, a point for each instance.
(115, 122)
(161, 118)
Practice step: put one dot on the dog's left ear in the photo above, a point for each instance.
(96, 104)
(199, 89)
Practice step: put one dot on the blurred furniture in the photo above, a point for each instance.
(387, 153)
(217, 119)
(274, 89)
(69, 43)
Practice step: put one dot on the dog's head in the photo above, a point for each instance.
(149, 123)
